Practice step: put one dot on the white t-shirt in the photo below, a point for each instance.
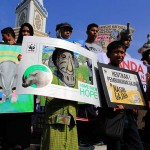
(93, 48)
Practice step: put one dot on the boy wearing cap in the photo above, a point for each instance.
(60, 135)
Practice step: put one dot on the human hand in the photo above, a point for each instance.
(119, 107)
(147, 78)
(145, 62)
(19, 57)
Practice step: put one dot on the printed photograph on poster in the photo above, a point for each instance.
(122, 86)
(59, 69)
(10, 102)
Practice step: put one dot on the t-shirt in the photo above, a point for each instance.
(93, 48)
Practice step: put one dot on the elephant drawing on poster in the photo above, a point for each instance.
(8, 78)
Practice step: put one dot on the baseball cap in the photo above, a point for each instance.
(63, 25)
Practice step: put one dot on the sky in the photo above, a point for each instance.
(80, 13)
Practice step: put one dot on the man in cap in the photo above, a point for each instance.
(63, 30)
(60, 129)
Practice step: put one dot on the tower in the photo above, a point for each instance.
(33, 12)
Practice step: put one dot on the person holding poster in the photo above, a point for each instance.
(8, 36)
(145, 52)
(60, 130)
(92, 33)
(147, 115)
(23, 123)
(131, 129)
(26, 29)
(87, 113)
(63, 30)
(116, 53)
(8, 125)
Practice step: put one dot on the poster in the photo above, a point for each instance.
(108, 33)
(122, 86)
(10, 102)
(130, 64)
(57, 68)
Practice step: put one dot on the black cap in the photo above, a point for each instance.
(63, 25)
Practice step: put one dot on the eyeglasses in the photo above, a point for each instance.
(26, 31)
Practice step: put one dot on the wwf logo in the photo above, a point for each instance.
(31, 48)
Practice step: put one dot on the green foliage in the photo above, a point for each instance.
(82, 59)
(45, 56)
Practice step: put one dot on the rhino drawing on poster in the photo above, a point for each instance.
(39, 78)
(8, 78)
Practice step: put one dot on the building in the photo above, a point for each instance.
(33, 12)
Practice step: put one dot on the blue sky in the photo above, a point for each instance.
(80, 13)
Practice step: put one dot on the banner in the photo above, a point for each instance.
(10, 102)
(57, 68)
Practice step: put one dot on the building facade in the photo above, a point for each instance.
(33, 12)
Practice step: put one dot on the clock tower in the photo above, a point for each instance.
(33, 12)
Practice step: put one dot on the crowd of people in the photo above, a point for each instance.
(82, 122)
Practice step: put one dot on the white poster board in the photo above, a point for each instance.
(64, 82)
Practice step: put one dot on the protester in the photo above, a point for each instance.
(10, 123)
(26, 29)
(116, 53)
(145, 52)
(92, 33)
(24, 120)
(8, 35)
(58, 135)
(147, 116)
(63, 30)
(131, 137)
(87, 113)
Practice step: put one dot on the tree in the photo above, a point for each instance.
(82, 59)
(45, 57)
